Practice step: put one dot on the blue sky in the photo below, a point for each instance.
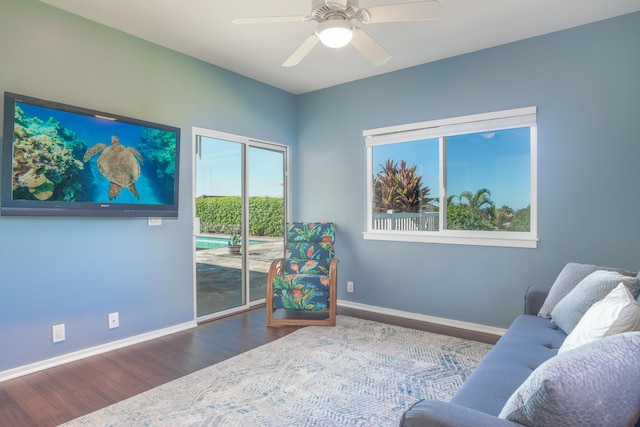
(498, 161)
(219, 173)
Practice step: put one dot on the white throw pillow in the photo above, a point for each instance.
(618, 312)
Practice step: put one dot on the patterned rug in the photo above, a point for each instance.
(359, 373)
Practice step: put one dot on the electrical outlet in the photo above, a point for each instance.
(114, 320)
(350, 287)
(57, 333)
(153, 221)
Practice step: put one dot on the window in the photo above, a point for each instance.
(464, 180)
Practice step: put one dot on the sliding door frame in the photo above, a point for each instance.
(246, 142)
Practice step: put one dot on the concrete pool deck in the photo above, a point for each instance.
(218, 274)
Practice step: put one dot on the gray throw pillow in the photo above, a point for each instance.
(597, 384)
(568, 312)
(569, 277)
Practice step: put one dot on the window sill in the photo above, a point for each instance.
(502, 239)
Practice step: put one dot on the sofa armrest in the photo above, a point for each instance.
(534, 298)
(436, 413)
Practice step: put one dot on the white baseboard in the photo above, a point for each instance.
(81, 354)
(475, 327)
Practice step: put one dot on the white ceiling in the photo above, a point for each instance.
(203, 29)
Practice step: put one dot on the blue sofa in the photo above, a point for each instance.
(529, 341)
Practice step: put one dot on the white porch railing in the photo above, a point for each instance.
(413, 221)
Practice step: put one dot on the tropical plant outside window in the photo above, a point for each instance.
(467, 180)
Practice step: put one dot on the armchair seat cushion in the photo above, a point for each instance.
(301, 292)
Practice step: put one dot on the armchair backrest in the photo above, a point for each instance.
(310, 248)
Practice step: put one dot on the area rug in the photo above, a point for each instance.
(358, 373)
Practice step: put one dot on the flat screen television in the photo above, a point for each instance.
(62, 160)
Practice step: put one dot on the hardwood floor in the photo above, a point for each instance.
(59, 394)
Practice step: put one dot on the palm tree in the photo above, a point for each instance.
(480, 203)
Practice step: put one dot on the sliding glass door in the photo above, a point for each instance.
(240, 205)
(266, 214)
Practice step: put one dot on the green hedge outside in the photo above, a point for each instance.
(223, 215)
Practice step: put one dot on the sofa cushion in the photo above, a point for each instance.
(529, 341)
(437, 413)
(618, 312)
(595, 384)
(569, 277)
(568, 312)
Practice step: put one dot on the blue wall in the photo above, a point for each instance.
(586, 86)
(76, 270)
(584, 82)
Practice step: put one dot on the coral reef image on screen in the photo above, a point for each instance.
(69, 157)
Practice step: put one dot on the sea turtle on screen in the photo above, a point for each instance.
(118, 165)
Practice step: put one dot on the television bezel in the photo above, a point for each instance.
(11, 207)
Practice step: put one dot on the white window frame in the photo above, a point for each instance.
(498, 120)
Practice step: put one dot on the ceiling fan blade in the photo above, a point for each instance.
(416, 11)
(370, 48)
(302, 51)
(263, 19)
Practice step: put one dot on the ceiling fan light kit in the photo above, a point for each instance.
(335, 34)
(335, 29)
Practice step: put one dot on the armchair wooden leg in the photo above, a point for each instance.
(276, 268)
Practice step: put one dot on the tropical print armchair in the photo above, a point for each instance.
(301, 287)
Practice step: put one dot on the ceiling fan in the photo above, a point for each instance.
(336, 27)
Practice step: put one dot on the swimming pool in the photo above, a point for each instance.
(208, 242)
